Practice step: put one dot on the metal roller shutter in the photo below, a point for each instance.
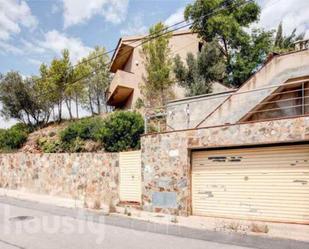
(262, 183)
(130, 176)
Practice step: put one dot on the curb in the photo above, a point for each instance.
(167, 229)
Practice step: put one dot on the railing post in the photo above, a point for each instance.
(303, 98)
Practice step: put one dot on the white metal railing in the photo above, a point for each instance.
(290, 99)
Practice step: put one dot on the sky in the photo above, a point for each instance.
(35, 31)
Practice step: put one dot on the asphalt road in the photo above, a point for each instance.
(26, 228)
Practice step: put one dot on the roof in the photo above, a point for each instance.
(127, 44)
(139, 37)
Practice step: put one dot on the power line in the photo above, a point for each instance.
(159, 33)
(107, 64)
(150, 36)
(147, 39)
(130, 43)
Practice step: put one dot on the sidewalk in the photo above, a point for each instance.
(243, 227)
(189, 227)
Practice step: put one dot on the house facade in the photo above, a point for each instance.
(241, 154)
(129, 69)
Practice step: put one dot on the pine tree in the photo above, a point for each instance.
(158, 64)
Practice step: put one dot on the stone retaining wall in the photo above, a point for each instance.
(93, 178)
(89, 177)
(166, 157)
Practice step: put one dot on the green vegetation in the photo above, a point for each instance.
(230, 54)
(58, 146)
(96, 66)
(201, 70)
(37, 100)
(121, 131)
(284, 43)
(13, 138)
(225, 24)
(84, 129)
(49, 146)
(19, 100)
(158, 64)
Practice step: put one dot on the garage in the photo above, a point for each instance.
(268, 183)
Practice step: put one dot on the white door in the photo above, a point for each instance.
(262, 183)
(130, 176)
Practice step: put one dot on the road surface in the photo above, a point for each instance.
(27, 228)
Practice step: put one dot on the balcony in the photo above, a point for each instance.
(122, 86)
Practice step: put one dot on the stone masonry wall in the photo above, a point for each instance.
(89, 177)
(166, 157)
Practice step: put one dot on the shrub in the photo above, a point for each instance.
(57, 146)
(69, 133)
(2, 138)
(52, 134)
(49, 146)
(22, 127)
(14, 137)
(74, 146)
(121, 131)
(84, 129)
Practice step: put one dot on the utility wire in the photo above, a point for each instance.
(147, 39)
(153, 36)
(107, 64)
(130, 43)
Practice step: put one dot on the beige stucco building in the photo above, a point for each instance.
(241, 155)
(129, 70)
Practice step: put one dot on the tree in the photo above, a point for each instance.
(158, 64)
(96, 85)
(284, 43)
(77, 88)
(250, 56)
(46, 88)
(225, 21)
(21, 101)
(60, 76)
(201, 71)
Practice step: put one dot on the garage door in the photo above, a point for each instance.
(130, 176)
(265, 183)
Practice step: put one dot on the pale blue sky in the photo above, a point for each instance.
(35, 31)
(76, 24)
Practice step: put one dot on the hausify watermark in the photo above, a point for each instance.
(15, 224)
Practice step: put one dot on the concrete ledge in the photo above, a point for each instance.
(174, 230)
